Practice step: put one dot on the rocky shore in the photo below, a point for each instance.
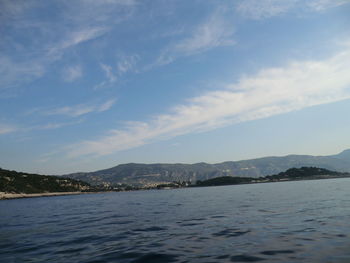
(4, 196)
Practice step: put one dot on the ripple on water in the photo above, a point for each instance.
(223, 257)
(155, 258)
(246, 258)
(71, 250)
(218, 216)
(202, 230)
(116, 223)
(150, 229)
(190, 224)
(230, 233)
(276, 252)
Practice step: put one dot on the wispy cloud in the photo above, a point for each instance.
(10, 9)
(53, 125)
(75, 38)
(213, 33)
(126, 63)
(106, 106)
(269, 92)
(5, 128)
(44, 40)
(115, 2)
(33, 64)
(320, 5)
(111, 76)
(13, 72)
(261, 9)
(72, 73)
(81, 109)
(123, 65)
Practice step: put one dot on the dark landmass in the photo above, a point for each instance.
(151, 175)
(18, 182)
(225, 180)
(303, 173)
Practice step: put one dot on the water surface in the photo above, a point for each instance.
(304, 221)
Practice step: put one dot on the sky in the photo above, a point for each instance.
(87, 85)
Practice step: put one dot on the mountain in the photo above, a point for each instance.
(303, 173)
(153, 174)
(17, 182)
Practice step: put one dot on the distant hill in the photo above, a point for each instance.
(303, 173)
(152, 174)
(306, 172)
(17, 182)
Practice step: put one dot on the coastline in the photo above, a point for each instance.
(7, 196)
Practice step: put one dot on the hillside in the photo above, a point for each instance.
(152, 174)
(303, 173)
(17, 182)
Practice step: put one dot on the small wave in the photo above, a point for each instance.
(230, 233)
(150, 229)
(246, 258)
(191, 224)
(218, 216)
(276, 252)
(155, 258)
(222, 257)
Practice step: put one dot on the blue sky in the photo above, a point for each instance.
(86, 85)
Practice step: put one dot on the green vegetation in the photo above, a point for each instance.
(17, 182)
(224, 180)
(302, 173)
(152, 174)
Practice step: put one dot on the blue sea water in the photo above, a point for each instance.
(303, 221)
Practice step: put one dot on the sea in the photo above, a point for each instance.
(299, 221)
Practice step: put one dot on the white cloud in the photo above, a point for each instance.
(75, 38)
(12, 8)
(33, 65)
(106, 106)
(260, 9)
(14, 72)
(213, 33)
(320, 5)
(73, 111)
(124, 65)
(50, 126)
(44, 40)
(81, 109)
(114, 2)
(4, 129)
(269, 92)
(127, 63)
(111, 76)
(72, 73)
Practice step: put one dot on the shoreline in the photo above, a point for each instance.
(9, 196)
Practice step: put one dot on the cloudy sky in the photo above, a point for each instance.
(86, 84)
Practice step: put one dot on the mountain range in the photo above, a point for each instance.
(152, 174)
